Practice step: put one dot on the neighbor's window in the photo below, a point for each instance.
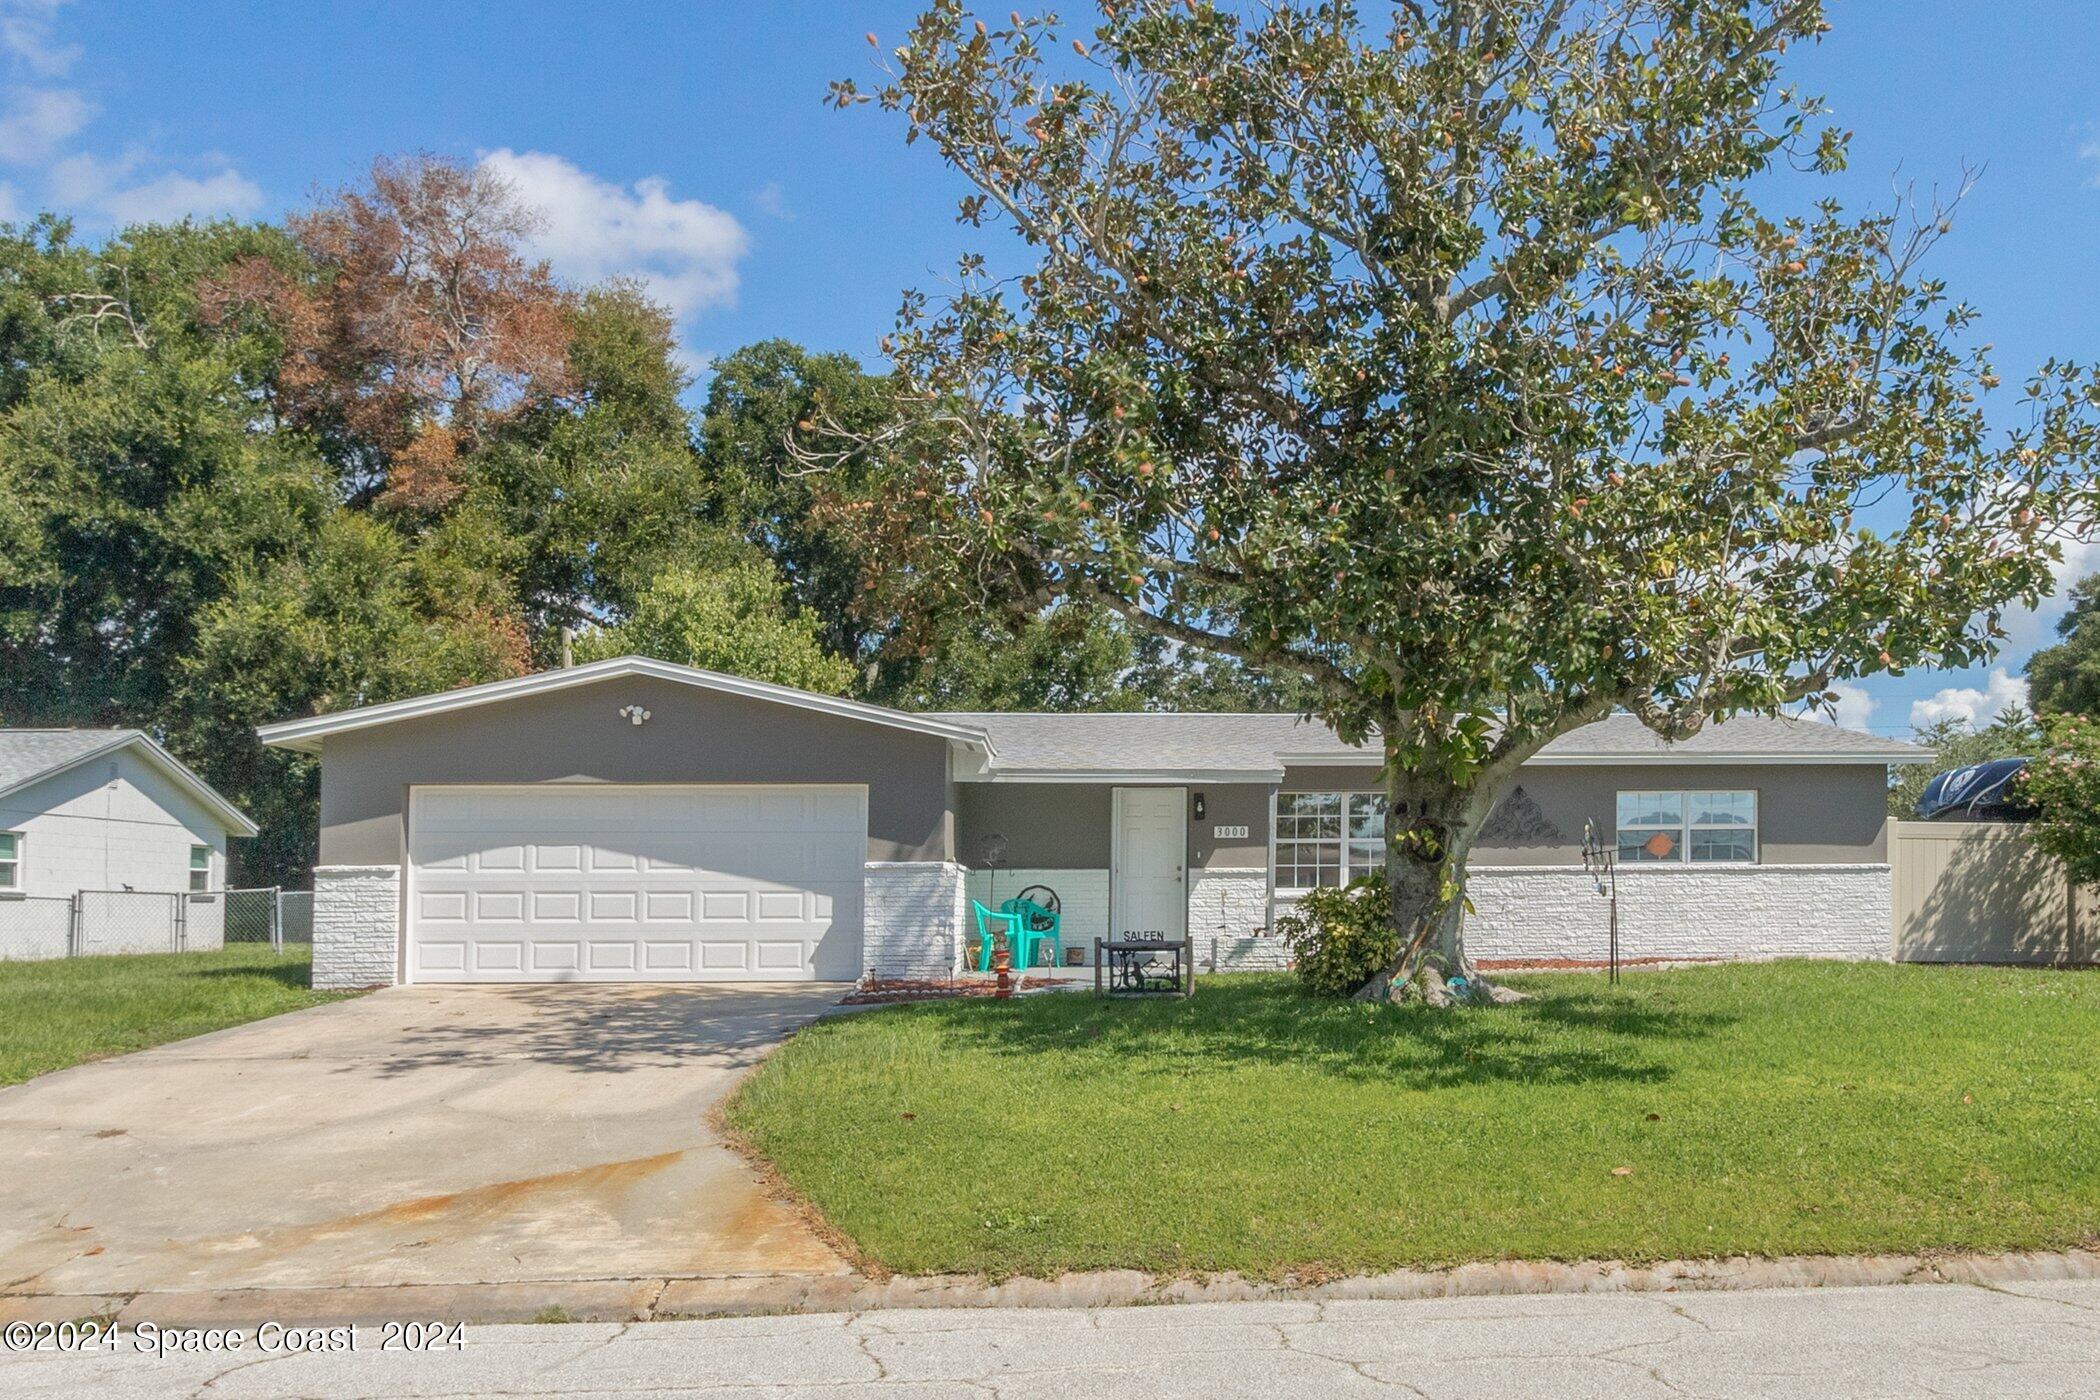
(1328, 838)
(10, 860)
(1704, 826)
(200, 869)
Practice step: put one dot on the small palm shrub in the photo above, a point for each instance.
(1339, 938)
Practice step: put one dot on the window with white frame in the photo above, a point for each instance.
(1327, 838)
(200, 869)
(10, 860)
(1700, 826)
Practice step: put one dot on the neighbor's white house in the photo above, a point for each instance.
(89, 811)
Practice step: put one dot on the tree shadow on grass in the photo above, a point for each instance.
(1559, 1037)
(296, 975)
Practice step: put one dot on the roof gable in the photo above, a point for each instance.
(29, 756)
(306, 735)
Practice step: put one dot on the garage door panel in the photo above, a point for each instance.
(667, 957)
(553, 957)
(780, 956)
(613, 956)
(557, 906)
(667, 906)
(488, 956)
(562, 883)
(556, 860)
(442, 906)
(442, 957)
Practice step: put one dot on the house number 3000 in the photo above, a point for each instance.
(1227, 833)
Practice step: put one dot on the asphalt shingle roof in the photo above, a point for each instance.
(27, 754)
(1120, 742)
(1077, 743)
(1753, 736)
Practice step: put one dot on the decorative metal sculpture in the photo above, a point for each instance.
(1601, 859)
(992, 850)
(1518, 820)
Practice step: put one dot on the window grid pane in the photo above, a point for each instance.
(1309, 840)
(1710, 826)
(1723, 827)
(1720, 845)
(1723, 808)
(1366, 825)
(1651, 809)
(1647, 845)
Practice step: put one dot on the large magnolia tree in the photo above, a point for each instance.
(1441, 353)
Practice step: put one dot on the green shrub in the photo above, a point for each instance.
(2063, 783)
(1339, 938)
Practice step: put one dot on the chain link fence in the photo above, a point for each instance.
(100, 922)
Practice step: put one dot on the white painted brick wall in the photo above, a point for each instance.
(1226, 907)
(915, 913)
(110, 824)
(357, 926)
(1082, 898)
(1682, 911)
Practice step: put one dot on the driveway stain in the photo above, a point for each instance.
(349, 1147)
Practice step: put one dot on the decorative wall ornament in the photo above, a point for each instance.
(634, 715)
(1517, 821)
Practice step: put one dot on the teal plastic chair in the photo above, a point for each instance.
(1014, 934)
(1033, 926)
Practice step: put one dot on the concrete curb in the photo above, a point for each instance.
(632, 1300)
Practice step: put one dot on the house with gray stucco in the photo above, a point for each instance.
(634, 820)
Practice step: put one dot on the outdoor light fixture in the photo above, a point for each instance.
(1199, 806)
(634, 715)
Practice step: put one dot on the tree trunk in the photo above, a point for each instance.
(1430, 827)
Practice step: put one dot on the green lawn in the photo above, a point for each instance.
(54, 1014)
(1783, 1108)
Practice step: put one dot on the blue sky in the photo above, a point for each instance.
(687, 143)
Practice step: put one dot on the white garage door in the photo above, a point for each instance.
(559, 883)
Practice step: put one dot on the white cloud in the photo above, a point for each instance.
(683, 250)
(1852, 709)
(39, 121)
(83, 179)
(1970, 705)
(25, 37)
(39, 126)
(106, 188)
(12, 210)
(771, 200)
(171, 197)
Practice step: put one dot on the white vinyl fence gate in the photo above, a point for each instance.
(95, 922)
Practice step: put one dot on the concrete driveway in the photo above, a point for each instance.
(412, 1136)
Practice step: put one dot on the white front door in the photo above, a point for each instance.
(1148, 883)
(574, 882)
